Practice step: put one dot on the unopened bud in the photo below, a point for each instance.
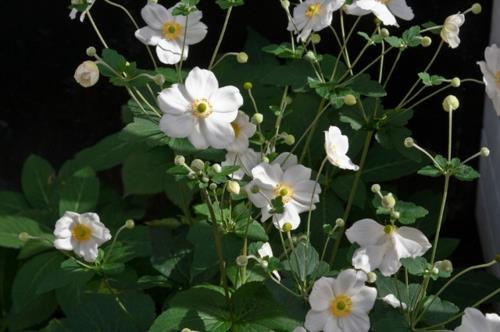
(247, 85)
(265, 160)
(445, 265)
(289, 139)
(91, 51)
(376, 188)
(395, 214)
(242, 260)
(159, 79)
(205, 179)
(23, 236)
(217, 168)
(388, 201)
(371, 277)
(315, 38)
(339, 222)
(257, 118)
(212, 186)
(485, 152)
(409, 142)
(310, 56)
(285, 4)
(287, 227)
(451, 103)
(242, 57)
(455, 82)
(87, 74)
(288, 100)
(350, 100)
(264, 263)
(129, 224)
(426, 41)
(384, 32)
(435, 270)
(184, 329)
(179, 160)
(197, 165)
(191, 175)
(476, 8)
(233, 187)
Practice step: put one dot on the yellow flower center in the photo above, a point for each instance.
(313, 10)
(389, 229)
(236, 128)
(341, 306)
(497, 77)
(81, 232)
(201, 108)
(171, 30)
(285, 191)
(385, 2)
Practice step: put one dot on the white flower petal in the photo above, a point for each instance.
(286, 160)
(289, 216)
(364, 299)
(317, 320)
(354, 322)
(195, 33)
(401, 9)
(394, 302)
(197, 138)
(414, 241)
(296, 174)
(390, 263)
(365, 232)
(172, 55)
(346, 280)
(227, 99)
(174, 100)
(268, 174)
(218, 134)
(369, 258)
(149, 36)
(155, 15)
(63, 243)
(321, 294)
(177, 126)
(201, 83)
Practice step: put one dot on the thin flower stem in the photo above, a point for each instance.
(393, 67)
(419, 148)
(312, 130)
(352, 194)
(96, 29)
(343, 46)
(179, 68)
(364, 69)
(285, 250)
(111, 247)
(147, 102)
(221, 37)
(225, 55)
(381, 68)
(426, 98)
(450, 133)
(316, 182)
(342, 30)
(137, 101)
(283, 286)
(471, 158)
(473, 80)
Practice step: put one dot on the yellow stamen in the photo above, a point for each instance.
(171, 30)
(236, 128)
(285, 191)
(81, 232)
(201, 108)
(389, 229)
(313, 10)
(341, 306)
(497, 78)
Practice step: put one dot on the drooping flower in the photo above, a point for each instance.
(382, 247)
(168, 32)
(393, 301)
(474, 321)
(266, 251)
(200, 110)
(243, 130)
(336, 146)
(384, 10)
(82, 233)
(312, 15)
(451, 29)
(246, 160)
(87, 74)
(491, 74)
(341, 304)
(293, 185)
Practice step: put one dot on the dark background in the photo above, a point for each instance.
(43, 111)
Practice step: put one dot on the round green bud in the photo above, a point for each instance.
(375, 188)
(285, 4)
(91, 51)
(265, 160)
(426, 41)
(212, 186)
(371, 277)
(289, 139)
(242, 260)
(264, 263)
(451, 103)
(476, 8)
(339, 222)
(191, 175)
(384, 32)
(455, 82)
(24, 237)
(287, 227)
(288, 100)
(257, 118)
(217, 168)
(179, 160)
(242, 57)
(445, 266)
(388, 201)
(255, 190)
(197, 165)
(310, 56)
(129, 224)
(247, 85)
(315, 38)
(409, 142)
(395, 214)
(233, 187)
(159, 79)
(485, 152)
(350, 100)
(186, 330)
(205, 179)
(435, 270)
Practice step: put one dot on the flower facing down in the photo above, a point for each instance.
(381, 247)
(87, 74)
(341, 304)
(491, 74)
(167, 32)
(385, 10)
(243, 130)
(82, 233)
(336, 146)
(200, 110)
(474, 321)
(312, 15)
(266, 251)
(451, 29)
(246, 160)
(293, 186)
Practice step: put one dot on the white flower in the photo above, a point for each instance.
(299, 329)
(312, 15)
(474, 321)
(200, 110)
(87, 74)
(167, 32)
(293, 185)
(285, 160)
(341, 304)
(82, 233)
(451, 29)
(394, 302)
(382, 247)
(243, 130)
(266, 251)
(385, 10)
(336, 146)
(491, 74)
(246, 160)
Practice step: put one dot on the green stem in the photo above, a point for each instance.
(394, 64)
(342, 30)
(316, 182)
(312, 130)
(101, 38)
(221, 37)
(179, 68)
(425, 98)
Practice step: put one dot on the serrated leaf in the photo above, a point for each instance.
(431, 171)
(226, 4)
(36, 179)
(11, 226)
(79, 193)
(367, 87)
(465, 173)
(285, 51)
(303, 260)
(415, 266)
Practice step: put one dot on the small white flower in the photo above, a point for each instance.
(82, 233)
(382, 247)
(200, 110)
(246, 160)
(293, 185)
(312, 15)
(385, 10)
(87, 74)
(451, 29)
(474, 321)
(336, 146)
(243, 130)
(285, 160)
(491, 74)
(341, 304)
(266, 251)
(167, 32)
(394, 302)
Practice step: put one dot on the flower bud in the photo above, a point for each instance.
(435, 270)
(289, 139)
(376, 188)
(184, 329)
(409, 142)
(91, 51)
(476, 8)
(265, 160)
(242, 260)
(24, 237)
(485, 152)
(371, 277)
(197, 165)
(217, 168)
(451, 103)
(255, 189)
(205, 179)
(159, 79)
(388, 201)
(233, 187)
(264, 263)
(395, 214)
(455, 82)
(247, 85)
(257, 118)
(191, 175)
(285, 4)
(129, 224)
(242, 57)
(426, 41)
(315, 38)
(445, 266)
(339, 222)
(212, 186)
(310, 56)
(179, 160)
(87, 74)
(287, 227)
(288, 100)
(350, 100)
(384, 32)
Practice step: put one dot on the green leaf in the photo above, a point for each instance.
(36, 179)
(408, 212)
(56, 325)
(367, 87)
(342, 186)
(285, 51)
(439, 311)
(465, 173)
(385, 165)
(61, 277)
(11, 226)
(226, 4)
(411, 37)
(415, 266)
(12, 203)
(429, 80)
(431, 171)
(80, 192)
(185, 7)
(303, 260)
(37, 311)
(394, 41)
(255, 231)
